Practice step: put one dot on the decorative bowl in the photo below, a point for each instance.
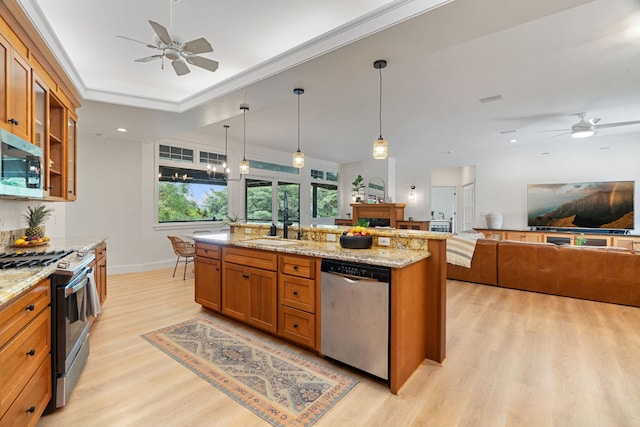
(356, 242)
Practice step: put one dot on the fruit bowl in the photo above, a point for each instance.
(355, 242)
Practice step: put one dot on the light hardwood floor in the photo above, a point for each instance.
(513, 359)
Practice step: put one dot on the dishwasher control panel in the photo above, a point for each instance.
(375, 272)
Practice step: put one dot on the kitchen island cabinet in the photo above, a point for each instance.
(249, 287)
(418, 288)
(208, 274)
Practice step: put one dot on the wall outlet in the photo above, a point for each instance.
(331, 237)
(384, 241)
(247, 231)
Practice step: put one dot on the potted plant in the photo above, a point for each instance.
(357, 187)
(35, 218)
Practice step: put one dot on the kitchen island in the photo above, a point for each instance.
(282, 295)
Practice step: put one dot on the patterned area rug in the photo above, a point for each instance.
(283, 388)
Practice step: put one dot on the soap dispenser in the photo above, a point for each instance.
(272, 230)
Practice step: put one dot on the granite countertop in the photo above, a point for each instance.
(14, 282)
(376, 255)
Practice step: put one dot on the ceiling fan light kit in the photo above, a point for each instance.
(380, 146)
(175, 50)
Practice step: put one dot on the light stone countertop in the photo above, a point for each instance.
(16, 281)
(396, 256)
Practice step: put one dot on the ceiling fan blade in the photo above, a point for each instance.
(161, 32)
(180, 67)
(148, 58)
(199, 61)
(196, 46)
(561, 134)
(138, 41)
(615, 125)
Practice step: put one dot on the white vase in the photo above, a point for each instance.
(494, 220)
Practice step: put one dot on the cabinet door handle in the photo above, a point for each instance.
(295, 267)
(295, 293)
(31, 352)
(31, 410)
(295, 326)
(217, 269)
(30, 307)
(246, 276)
(14, 122)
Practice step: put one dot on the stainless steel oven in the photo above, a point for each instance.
(70, 325)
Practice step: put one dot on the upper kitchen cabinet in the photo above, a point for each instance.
(38, 102)
(15, 111)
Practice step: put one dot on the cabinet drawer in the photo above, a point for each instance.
(24, 310)
(207, 250)
(298, 266)
(265, 260)
(101, 250)
(31, 402)
(297, 292)
(297, 326)
(21, 357)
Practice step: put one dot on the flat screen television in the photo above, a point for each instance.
(604, 205)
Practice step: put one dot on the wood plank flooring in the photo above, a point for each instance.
(513, 359)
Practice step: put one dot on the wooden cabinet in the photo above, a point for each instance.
(208, 276)
(413, 225)
(628, 242)
(343, 222)
(100, 271)
(523, 236)
(249, 287)
(392, 212)
(25, 357)
(35, 105)
(297, 289)
(15, 96)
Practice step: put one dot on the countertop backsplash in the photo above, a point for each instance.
(8, 237)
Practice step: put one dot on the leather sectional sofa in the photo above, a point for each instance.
(606, 274)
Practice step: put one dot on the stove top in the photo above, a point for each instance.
(31, 259)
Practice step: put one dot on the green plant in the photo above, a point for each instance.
(35, 218)
(362, 222)
(357, 184)
(580, 239)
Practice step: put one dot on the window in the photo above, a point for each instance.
(292, 190)
(258, 200)
(316, 174)
(176, 153)
(324, 200)
(186, 195)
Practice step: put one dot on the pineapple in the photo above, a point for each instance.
(35, 219)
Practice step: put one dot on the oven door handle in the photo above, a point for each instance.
(77, 283)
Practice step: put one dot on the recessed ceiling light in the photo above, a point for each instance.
(121, 129)
(491, 98)
(513, 141)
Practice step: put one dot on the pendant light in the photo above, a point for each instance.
(244, 164)
(298, 156)
(380, 145)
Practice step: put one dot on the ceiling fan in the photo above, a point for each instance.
(586, 128)
(177, 51)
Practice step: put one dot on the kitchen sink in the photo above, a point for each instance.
(274, 242)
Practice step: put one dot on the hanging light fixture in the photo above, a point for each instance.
(380, 145)
(298, 156)
(244, 164)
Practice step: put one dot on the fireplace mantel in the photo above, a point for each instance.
(393, 211)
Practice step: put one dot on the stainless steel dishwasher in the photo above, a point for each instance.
(355, 315)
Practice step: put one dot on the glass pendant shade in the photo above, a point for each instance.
(244, 167)
(298, 159)
(298, 156)
(380, 145)
(244, 164)
(380, 149)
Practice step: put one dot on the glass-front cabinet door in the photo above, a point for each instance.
(72, 149)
